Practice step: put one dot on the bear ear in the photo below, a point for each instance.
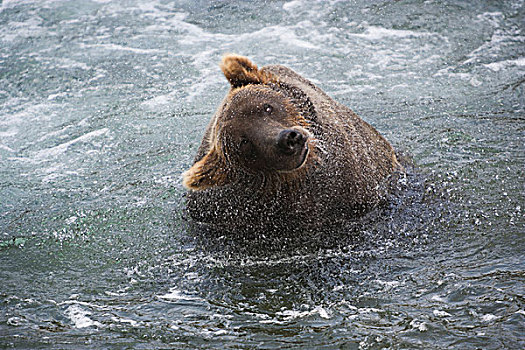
(240, 71)
(208, 172)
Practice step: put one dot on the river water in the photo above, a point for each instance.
(103, 105)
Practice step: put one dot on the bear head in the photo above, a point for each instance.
(257, 130)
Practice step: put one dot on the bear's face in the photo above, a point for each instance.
(258, 130)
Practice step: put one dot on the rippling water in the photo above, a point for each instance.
(103, 104)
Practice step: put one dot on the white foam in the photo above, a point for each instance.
(285, 34)
(441, 313)
(6, 148)
(489, 318)
(420, 326)
(71, 220)
(132, 323)
(500, 37)
(175, 295)
(192, 36)
(83, 303)
(494, 18)
(54, 134)
(500, 65)
(32, 27)
(9, 133)
(55, 172)
(60, 149)
(376, 33)
(323, 313)
(6, 4)
(57, 95)
(292, 5)
(33, 112)
(66, 63)
(366, 310)
(389, 284)
(195, 35)
(159, 101)
(438, 298)
(80, 318)
(294, 314)
(115, 47)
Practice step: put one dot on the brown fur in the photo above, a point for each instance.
(236, 185)
(219, 168)
(208, 172)
(240, 71)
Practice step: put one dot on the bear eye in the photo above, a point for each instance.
(243, 143)
(268, 108)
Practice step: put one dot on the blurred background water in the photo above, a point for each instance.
(103, 105)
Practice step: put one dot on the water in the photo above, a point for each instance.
(102, 107)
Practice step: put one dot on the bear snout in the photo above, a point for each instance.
(291, 141)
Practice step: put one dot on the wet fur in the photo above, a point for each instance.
(241, 73)
(347, 170)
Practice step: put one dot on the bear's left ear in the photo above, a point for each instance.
(208, 172)
(240, 71)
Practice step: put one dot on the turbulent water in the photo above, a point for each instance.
(103, 105)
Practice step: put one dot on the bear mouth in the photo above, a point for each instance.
(304, 157)
(304, 154)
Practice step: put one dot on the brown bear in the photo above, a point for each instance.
(280, 153)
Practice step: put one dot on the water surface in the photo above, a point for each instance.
(103, 105)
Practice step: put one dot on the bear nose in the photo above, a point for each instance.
(290, 141)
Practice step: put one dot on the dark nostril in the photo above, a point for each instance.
(290, 140)
(296, 138)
